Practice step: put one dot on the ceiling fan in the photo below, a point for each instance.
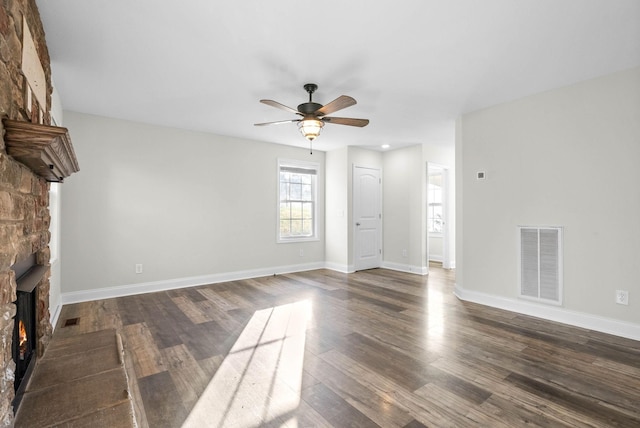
(314, 115)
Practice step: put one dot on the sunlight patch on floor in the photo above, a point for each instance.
(260, 380)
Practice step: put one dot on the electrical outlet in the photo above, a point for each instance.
(622, 297)
(404, 253)
(301, 253)
(139, 268)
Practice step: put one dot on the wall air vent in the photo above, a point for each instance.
(541, 263)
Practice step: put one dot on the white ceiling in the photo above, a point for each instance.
(412, 65)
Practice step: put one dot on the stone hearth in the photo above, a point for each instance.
(80, 381)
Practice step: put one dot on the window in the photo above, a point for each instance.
(297, 201)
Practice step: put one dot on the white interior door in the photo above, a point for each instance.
(367, 218)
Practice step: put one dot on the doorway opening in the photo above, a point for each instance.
(437, 215)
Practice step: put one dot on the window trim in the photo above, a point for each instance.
(293, 163)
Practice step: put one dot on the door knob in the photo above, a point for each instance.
(357, 224)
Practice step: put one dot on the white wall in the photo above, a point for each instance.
(567, 157)
(194, 207)
(183, 204)
(55, 281)
(338, 209)
(405, 205)
(436, 250)
(404, 225)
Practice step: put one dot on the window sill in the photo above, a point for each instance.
(294, 240)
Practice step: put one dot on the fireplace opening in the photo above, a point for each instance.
(24, 343)
(24, 334)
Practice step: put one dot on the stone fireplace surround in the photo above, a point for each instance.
(24, 196)
(24, 229)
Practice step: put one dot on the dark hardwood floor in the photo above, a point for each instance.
(373, 348)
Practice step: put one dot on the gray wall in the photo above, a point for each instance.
(183, 204)
(567, 157)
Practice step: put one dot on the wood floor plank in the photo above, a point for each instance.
(217, 299)
(523, 402)
(375, 348)
(206, 340)
(501, 411)
(358, 395)
(129, 307)
(565, 376)
(167, 322)
(188, 376)
(146, 356)
(630, 372)
(191, 309)
(304, 416)
(160, 394)
(251, 292)
(403, 369)
(418, 407)
(317, 279)
(449, 404)
(334, 408)
(190, 293)
(576, 401)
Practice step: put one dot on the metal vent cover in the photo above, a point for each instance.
(540, 263)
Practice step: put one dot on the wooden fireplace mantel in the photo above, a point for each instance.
(45, 149)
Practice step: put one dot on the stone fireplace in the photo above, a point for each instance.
(24, 195)
(24, 230)
(24, 224)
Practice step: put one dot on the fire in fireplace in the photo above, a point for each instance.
(23, 339)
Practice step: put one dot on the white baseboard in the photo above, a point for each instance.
(55, 314)
(339, 267)
(172, 284)
(419, 270)
(452, 263)
(552, 313)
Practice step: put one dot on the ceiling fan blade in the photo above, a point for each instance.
(343, 101)
(279, 122)
(346, 121)
(280, 106)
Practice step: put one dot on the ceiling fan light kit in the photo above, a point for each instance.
(310, 128)
(314, 114)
